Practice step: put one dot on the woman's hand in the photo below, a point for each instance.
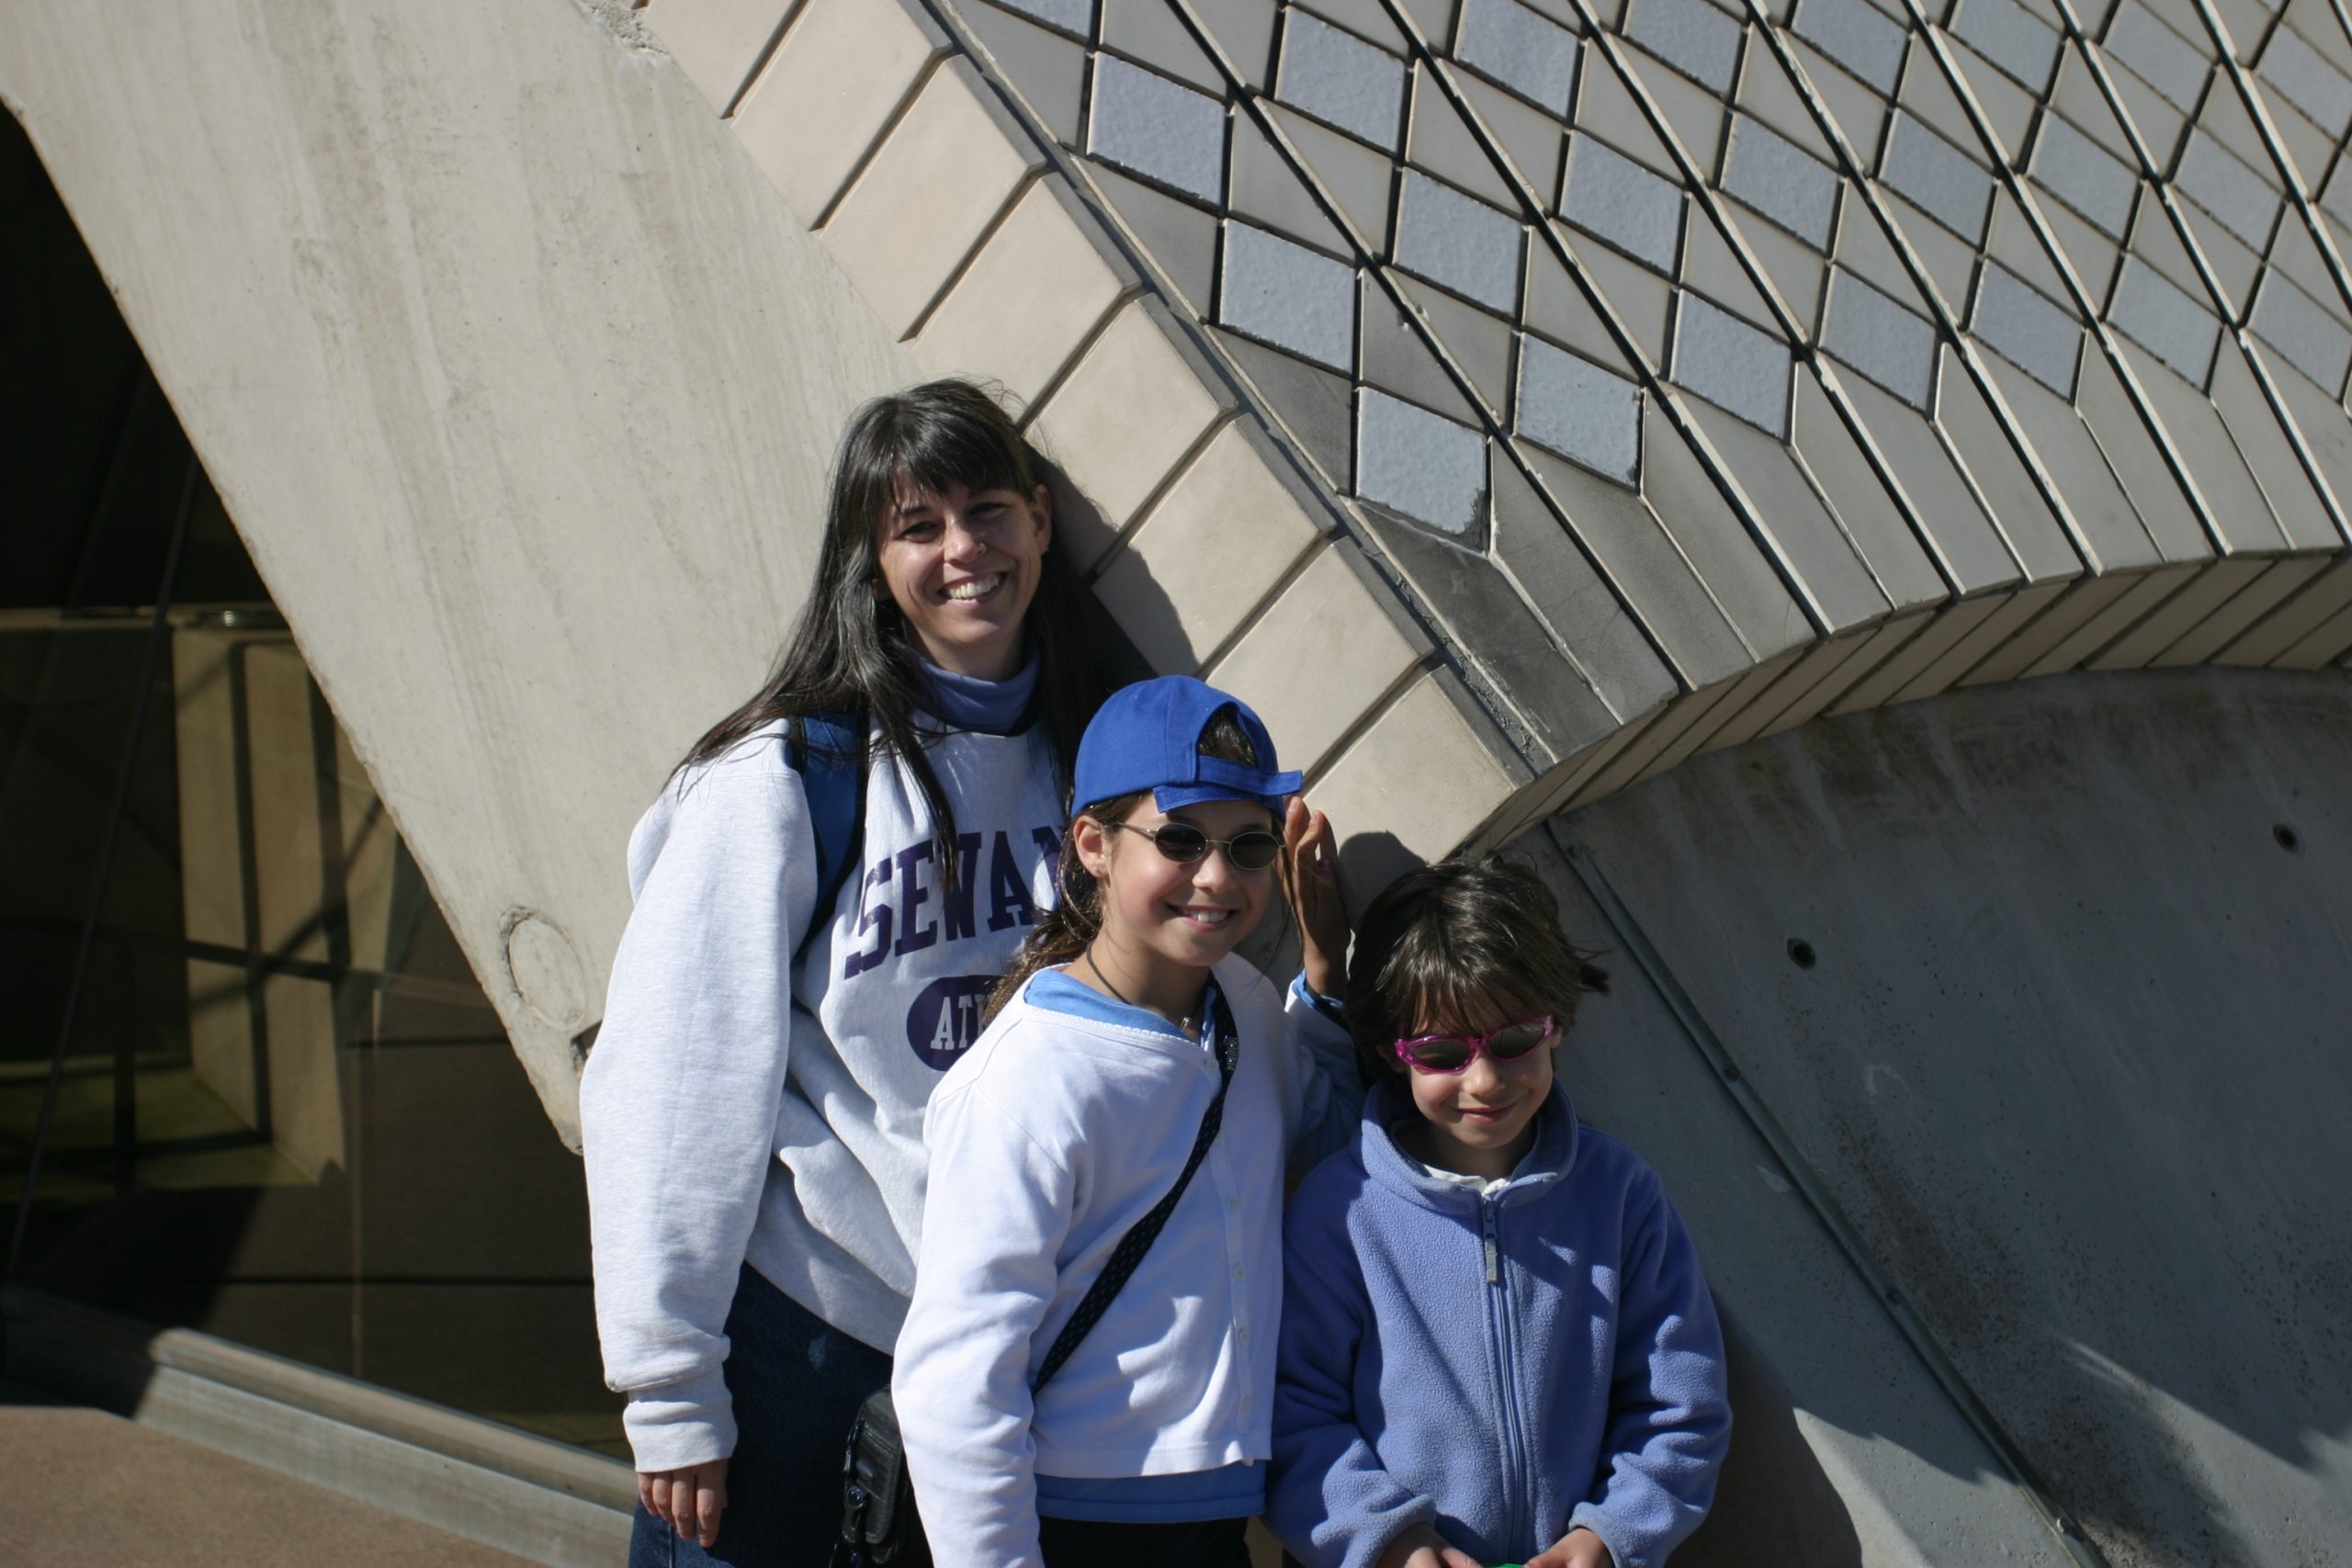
(1310, 867)
(1422, 1547)
(688, 1499)
(1578, 1549)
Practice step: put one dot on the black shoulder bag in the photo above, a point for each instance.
(879, 1526)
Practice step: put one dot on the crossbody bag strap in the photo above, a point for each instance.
(1129, 1253)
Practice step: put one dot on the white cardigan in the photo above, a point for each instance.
(1051, 1137)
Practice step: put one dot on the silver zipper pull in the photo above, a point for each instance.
(1494, 1270)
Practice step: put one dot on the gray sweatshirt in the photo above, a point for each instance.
(738, 1107)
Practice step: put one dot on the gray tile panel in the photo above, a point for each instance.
(1937, 177)
(1342, 80)
(1858, 35)
(1865, 509)
(1692, 36)
(1531, 544)
(1526, 52)
(1151, 32)
(1260, 185)
(1718, 545)
(2215, 179)
(1047, 69)
(1072, 17)
(2159, 506)
(1440, 141)
(1359, 181)
(2011, 37)
(2233, 505)
(2300, 72)
(1494, 626)
(2293, 494)
(1458, 243)
(1419, 465)
(1289, 295)
(2012, 498)
(2078, 172)
(2308, 337)
(1316, 405)
(1612, 198)
(1723, 359)
(1880, 339)
(1781, 180)
(1176, 234)
(1157, 128)
(1584, 412)
(1244, 34)
(1657, 580)
(2036, 335)
(1533, 140)
(1639, 297)
(1393, 355)
(1956, 529)
(2157, 55)
(1797, 272)
(1478, 343)
(1558, 309)
(1821, 560)
(2165, 322)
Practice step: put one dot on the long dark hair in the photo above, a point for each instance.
(1437, 940)
(1065, 930)
(849, 652)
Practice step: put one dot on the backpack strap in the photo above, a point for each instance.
(829, 753)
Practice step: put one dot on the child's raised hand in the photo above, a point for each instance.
(1578, 1549)
(1422, 1547)
(1310, 867)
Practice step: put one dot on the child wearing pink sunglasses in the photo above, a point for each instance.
(1496, 1343)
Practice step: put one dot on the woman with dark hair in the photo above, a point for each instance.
(752, 1109)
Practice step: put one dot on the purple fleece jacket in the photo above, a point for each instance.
(1507, 1367)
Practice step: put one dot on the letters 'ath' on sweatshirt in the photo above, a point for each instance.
(1057, 1133)
(1507, 1363)
(739, 1107)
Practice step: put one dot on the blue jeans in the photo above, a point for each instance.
(796, 1380)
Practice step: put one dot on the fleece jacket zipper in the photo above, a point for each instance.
(1515, 1485)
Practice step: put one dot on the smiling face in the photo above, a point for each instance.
(1165, 921)
(962, 565)
(1481, 1120)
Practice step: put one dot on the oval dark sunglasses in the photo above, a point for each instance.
(1183, 843)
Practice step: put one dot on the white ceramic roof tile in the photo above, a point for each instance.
(2290, 64)
(1530, 53)
(1782, 181)
(1938, 178)
(2213, 177)
(1076, 17)
(1732, 365)
(1880, 338)
(2011, 37)
(2309, 338)
(2035, 335)
(1342, 80)
(2164, 320)
(1584, 413)
(1614, 198)
(1691, 35)
(1419, 464)
(1289, 295)
(1862, 39)
(1463, 245)
(1157, 128)
(2078, 172)
(2156, 54)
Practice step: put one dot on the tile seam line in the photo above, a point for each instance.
(1922, 282)
(1824, 1207)
(791, 18)
(873, 148)
(2161, 185)
(1668, 396)
(2013, 181)
(2242, 78)
(1242, 391)
(1805, 350)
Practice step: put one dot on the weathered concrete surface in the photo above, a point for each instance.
(1844, 1450)
(518, 379)
(2072, 1055)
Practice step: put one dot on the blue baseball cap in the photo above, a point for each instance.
(1147, 736)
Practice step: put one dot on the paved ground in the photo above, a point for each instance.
(80, 1486)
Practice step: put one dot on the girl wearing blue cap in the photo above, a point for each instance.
(1086, 1375)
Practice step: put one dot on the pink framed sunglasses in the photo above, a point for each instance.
(1451, 1053)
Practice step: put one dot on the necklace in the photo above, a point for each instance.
(1189, 1024)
